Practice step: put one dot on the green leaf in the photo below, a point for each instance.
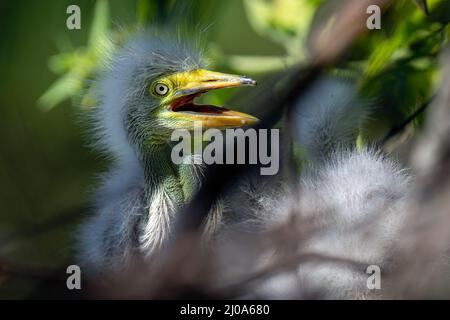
(283, 21)
(60, 90)
(100, 23)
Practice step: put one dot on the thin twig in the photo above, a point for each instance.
(424, 6)
(399, 128)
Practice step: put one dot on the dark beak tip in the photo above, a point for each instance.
(249, 81)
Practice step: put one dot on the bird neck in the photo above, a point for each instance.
(177, 181)
(161, 173)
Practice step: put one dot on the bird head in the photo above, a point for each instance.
(158, 80)
(174, 96)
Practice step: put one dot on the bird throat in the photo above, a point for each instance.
(178, 181)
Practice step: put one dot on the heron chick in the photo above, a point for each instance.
(147, 92)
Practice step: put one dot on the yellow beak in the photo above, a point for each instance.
(194, 83)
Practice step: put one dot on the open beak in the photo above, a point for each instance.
(193, 84)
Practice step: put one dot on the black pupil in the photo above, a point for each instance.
(161, 89)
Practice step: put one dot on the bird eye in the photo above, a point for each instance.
(161, 89)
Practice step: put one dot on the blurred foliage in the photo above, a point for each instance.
(396, 66)
(77, 65)
(283, 21)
